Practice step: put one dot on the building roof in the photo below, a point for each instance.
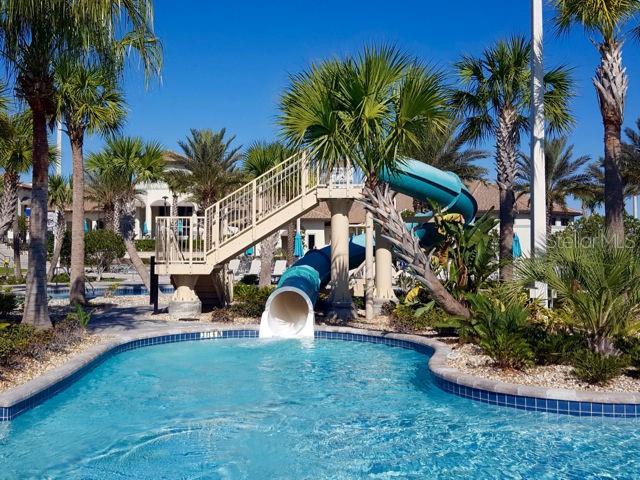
(488, 197)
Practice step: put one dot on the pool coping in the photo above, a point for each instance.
(18, 400)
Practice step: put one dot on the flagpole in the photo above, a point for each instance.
(538, 187)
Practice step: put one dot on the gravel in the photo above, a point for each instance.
(469, 359)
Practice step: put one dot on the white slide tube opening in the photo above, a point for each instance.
(288, 314)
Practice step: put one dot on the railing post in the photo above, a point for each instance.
(304, 174)
(193, 223)
(253, 203)
(216, 234)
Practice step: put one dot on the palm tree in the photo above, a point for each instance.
(565, 175)
(88, 101)
(123, 164)
(210, 166)
(60, 198)
(495, 97)
(258, 159)
(368, 109)
(446, 151)
(32, 36)
(605, 19)
(15, 159)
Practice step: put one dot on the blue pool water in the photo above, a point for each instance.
(63, 291)
(300, 410)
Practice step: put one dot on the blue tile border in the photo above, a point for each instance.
(522, 402)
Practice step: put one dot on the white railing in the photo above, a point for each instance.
(180, 240)
(254, 202)
(245, 208)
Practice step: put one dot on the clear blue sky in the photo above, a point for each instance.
(226, 63)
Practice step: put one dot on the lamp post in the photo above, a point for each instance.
(164, 211)
(538, 177)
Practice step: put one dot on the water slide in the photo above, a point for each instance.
(289, 311)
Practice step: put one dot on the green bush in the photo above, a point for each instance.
(60, 278)
(80, 315)
(101, 249)
(500, 328)
(597, 368)
(630, 347)
(249, 300)
(557, 348)
(146, 245)
(8, 303)
(598, 286)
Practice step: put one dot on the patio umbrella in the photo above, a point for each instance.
(249, 252)
(298, 248)
(145, 229)
(516, 249)
(86, 225)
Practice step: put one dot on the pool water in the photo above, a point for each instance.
(257, 409)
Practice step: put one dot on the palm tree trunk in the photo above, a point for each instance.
(77, 292)
(291, 233)
(611, 84)
(17, 264)
(127, 222)
(267, 249)
(9, 202)
(506, 148)
(58, 239)
(36, 303)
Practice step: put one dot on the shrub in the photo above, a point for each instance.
(630, 347)
(249, 279)
(499, 328)
(250, 300)
(102, 248)
(554, 348)
(60, 278)
(598, 368)
(8, 302)
(80, 315)
(146, 245)
(598, 286)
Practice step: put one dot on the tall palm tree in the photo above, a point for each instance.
(33, 34)
(123, 164)
(494, 96)
(60, 198)
(447, 150)
(258, 159)
(88, 101)
(368, 108)
(210, 166)
(605, 20)
(15, 158)
(564, 174)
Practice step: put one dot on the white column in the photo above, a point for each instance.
(634, 205)
(341, 301)
(147, 217)
(369, 280)
(538, 187)
(384, 270)
(59, 146)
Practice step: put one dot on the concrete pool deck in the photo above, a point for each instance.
(124, 328)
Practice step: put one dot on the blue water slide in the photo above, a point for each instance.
(289, 309)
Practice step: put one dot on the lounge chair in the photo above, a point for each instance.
(278, 269)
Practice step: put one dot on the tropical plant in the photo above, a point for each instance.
(15, 158)
(123, 164)
(564, 174)
(89, 101)
(603, 21)
(499, 327)
(209, 166)
(369, 109)
(597, 283)
(598, 368)
(494, 97)
(33, 35)
(103, 247)
(446, 150)
(258, 159)
(60, 198)
(466, 254)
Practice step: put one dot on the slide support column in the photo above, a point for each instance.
(384, 272)
(342, 307)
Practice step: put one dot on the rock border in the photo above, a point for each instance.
(18, 400)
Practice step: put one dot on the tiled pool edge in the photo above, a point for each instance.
(24, 397)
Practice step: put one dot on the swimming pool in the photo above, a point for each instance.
(63, 291)
(253, 409)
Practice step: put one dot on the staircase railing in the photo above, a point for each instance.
(245, 208)
(257, 200)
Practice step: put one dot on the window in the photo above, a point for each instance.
(312, 241)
